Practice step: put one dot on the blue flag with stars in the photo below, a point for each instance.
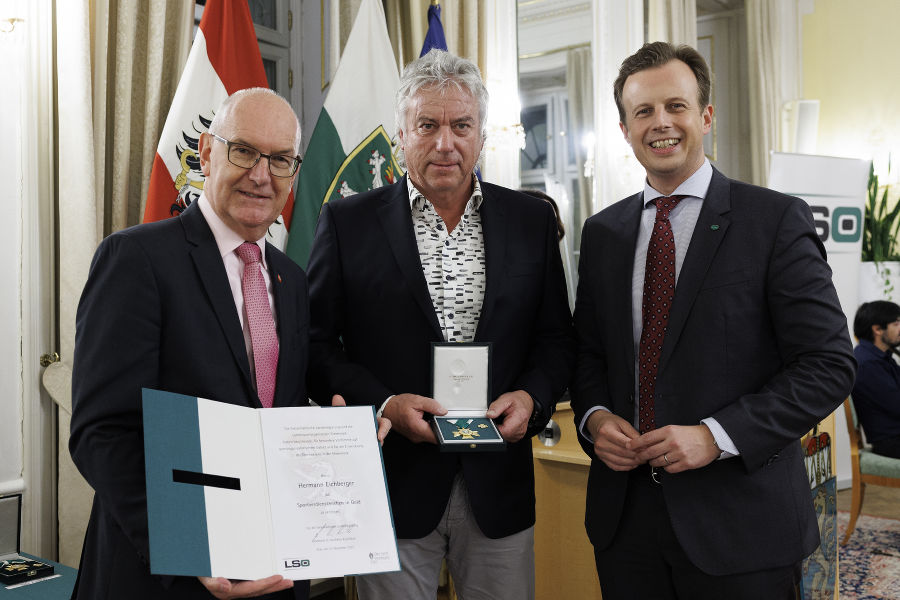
(435, 36)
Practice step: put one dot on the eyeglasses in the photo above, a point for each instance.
(246, 157)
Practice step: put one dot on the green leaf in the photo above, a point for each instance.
(881, 225)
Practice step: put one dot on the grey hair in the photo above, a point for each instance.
(440, 69)
(229, 103)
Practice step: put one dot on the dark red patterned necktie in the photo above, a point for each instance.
(659, 288)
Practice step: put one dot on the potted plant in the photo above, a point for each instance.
(880, 256)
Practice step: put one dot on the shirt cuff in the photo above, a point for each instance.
(723, 440)
(380, 411)
(583, 425)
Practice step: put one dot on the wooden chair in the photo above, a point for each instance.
(868, 467)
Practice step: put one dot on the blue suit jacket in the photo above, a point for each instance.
(373, 323)
(157, 312)
(756, 339)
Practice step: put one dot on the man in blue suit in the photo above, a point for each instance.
(710, 339)
(163, 308)
(442, 257)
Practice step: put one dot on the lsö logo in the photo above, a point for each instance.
(842, 224)
(376, 557)
(296, 563)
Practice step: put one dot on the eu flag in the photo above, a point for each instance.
(435, 36)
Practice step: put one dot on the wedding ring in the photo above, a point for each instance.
(666, 458)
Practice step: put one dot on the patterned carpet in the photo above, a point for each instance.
(870, 562)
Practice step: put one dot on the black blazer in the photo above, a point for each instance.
(373, 323)
(157, 312)
(756, 339)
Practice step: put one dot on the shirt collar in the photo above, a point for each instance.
(694, 186)
(417, 199)
(226, 238)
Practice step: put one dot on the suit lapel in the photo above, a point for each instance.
(211, 272)
(396, 220)
(287, 320)
(623, 270)
(709, 232)
(494, 226)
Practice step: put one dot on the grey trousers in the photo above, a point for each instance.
(481, 568)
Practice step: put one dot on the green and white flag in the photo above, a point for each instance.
(350, 149)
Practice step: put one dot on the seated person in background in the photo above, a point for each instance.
(876, 393)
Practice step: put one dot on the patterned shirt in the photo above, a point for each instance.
(453, 263)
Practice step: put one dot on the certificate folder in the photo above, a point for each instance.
(245, 493)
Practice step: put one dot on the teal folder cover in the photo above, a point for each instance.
(176, 511)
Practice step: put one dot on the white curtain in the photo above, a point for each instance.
(774, 58)
(673, 21)
(118, 66)
(80, 227)
(501, 74)
(580, 89)
(618, 33)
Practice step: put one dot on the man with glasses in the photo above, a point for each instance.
(201, 305)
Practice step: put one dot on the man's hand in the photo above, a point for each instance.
(612, 435)
(384, 425)
(407, 415)
(677, 448)
(226, 589)
(515, 408)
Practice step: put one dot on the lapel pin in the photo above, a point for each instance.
(279, 274)
(713, 227)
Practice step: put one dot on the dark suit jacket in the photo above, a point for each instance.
(157, 312)
(756, 339)
(373, 323)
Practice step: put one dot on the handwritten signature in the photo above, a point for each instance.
(330, 532)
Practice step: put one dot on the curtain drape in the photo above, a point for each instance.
(119, 62)
(673, 21)
(773, 49)
(580, 87)
(619, 25)
(463, 27)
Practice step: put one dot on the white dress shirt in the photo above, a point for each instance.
(228, 241)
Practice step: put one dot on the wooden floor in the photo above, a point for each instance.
(879, 501)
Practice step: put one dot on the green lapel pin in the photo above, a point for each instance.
(714, 227)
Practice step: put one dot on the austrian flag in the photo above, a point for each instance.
(224, 58)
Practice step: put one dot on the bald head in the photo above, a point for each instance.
(249, 199)
(255, 95)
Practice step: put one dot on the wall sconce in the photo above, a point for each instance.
(503, 129)
(7, 25)
(588, 141)
(505, 136)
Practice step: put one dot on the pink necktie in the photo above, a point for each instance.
(659, 289)
(262, 326)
